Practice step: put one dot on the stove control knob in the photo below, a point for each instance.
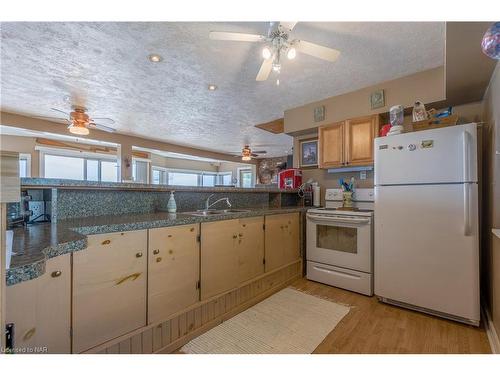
(400, 147)
(412, 147)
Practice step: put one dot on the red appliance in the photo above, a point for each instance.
(290, 178)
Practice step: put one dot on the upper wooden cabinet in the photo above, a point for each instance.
(331, 145)
(109, 288)
(173, 270)
(348, 143)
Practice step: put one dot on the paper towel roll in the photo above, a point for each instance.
(316, 196)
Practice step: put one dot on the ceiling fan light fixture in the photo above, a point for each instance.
(212, 87)
(276, 67)
(78, 129)
(246, 158)
(291, 54)
(266, 53)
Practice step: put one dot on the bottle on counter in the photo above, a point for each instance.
(171, 205)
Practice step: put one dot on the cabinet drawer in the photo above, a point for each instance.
(344, 278)
(109, 288)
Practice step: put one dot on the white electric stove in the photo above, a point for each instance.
(340, 242)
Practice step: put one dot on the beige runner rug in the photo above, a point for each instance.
(289, 321)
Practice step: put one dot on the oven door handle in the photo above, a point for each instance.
(331, 219)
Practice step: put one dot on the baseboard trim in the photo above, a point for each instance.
(490, 331)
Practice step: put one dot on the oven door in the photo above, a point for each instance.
(340, 240)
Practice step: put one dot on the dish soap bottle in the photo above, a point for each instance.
(171, 205)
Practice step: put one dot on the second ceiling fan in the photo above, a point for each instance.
(277, 45)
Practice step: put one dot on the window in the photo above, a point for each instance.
(140, 171)
(183, 178)
(159, 176)
(56, 166)
(208, 179)
(109, 171)
(24, 165)
(180, 177)
(246, 177)
(62, 164)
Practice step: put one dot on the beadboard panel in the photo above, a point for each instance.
(171, 334)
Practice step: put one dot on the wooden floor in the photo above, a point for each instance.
(375, 327)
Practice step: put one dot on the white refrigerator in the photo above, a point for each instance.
(426, 222)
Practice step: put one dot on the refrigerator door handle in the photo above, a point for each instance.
(467, 209)
(466, 161)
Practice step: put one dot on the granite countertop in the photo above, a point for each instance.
(29, 182)
(33, 245)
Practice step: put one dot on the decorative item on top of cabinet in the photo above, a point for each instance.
(173, 271)
(348, 143)
(281, 240)
(109, 288)
(40, 310)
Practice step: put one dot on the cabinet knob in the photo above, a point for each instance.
(240, 234)
(106, 242)
(138, 255)
(191, 230)
(56, 273)
(158, 260)
(235, 236)
(156, 251)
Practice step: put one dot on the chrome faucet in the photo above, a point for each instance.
(208, 205)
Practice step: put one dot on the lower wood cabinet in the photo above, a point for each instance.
(250, 248)
(109, 288)
(281, 240)
(41, 310)
(219, 257)
(173, 271)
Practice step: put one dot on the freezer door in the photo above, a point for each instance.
(427, 247)
(446, 155)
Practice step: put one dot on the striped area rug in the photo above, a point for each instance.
(289, 322)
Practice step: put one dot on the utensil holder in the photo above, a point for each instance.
(347, 199)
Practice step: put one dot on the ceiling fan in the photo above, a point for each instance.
(277, 45)
(247, 154)
(79, 122)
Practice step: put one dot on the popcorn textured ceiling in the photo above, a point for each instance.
(105, 67)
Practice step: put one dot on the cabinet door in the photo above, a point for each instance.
(291, 241)
(274, 245)
(174, 270)
(331, 145)
(109, 288)
(250, 248)
(360, 134)
(41, 309)
(219, 257)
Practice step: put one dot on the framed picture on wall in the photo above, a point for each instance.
(309, 153)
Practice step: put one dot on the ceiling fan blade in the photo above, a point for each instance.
(316, 50)
(264, 70)
(52, 118)
(237, 37)
(260, 152)
(288, 25)
(104, 119)
(58, 110)
(101, 127)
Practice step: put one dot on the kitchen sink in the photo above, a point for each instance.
(215, 212)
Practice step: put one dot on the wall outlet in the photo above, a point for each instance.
(362, 175)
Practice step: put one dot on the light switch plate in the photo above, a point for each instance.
(362, 175)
